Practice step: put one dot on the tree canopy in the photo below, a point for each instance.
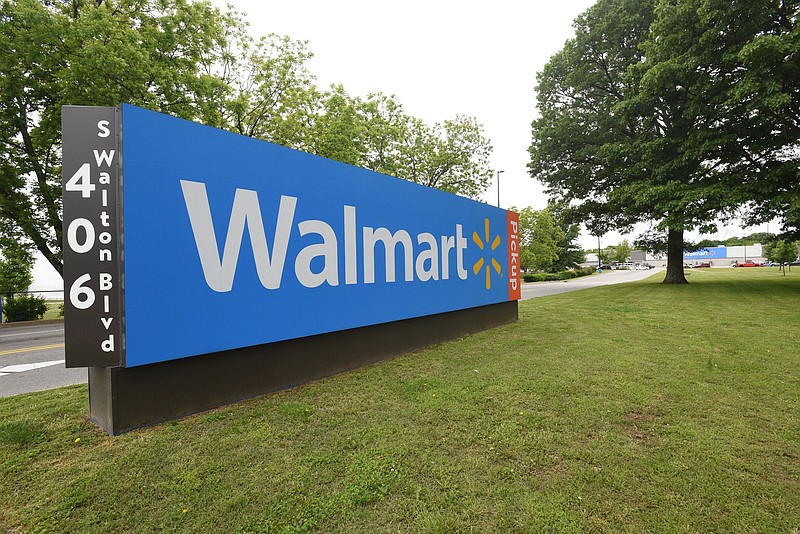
(660, 111)
(53, 53)
(191, 60)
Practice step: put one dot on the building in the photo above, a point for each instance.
(720, 256)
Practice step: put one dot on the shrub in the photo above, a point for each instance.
(24, 308)
(563, 275)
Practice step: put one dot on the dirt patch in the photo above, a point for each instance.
(634, 425)
(640, 417)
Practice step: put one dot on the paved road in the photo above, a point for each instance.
(32, 359)
(32, 356)
(543, 289)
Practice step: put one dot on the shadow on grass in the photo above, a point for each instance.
(21, 433)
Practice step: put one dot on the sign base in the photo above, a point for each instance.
(124, 399)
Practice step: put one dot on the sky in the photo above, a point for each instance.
(440, 58)
(443, 58)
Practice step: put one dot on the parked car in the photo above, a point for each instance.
(747, 263)
(641, 267)
(703, 266)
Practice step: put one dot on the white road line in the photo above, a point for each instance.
(21, 368)
(32, 333)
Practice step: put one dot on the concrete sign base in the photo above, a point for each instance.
(123, 399)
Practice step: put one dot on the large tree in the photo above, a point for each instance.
(59, 52)
(642, 117)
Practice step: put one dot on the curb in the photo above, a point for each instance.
(31, 323)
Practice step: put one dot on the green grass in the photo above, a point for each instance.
(630, 408)
(53, 309)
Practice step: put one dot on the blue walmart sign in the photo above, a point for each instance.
(232, 242)
(707, 254)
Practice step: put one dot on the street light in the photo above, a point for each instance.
(498, 188)
(599, 263)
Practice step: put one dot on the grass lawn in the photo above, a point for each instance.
(629, 408)
(53, 309)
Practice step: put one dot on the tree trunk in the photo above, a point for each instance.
(675, 258)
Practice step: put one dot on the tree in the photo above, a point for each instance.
(569, 251)
(77, 52)
(639, 120)
(782, 252)
(452, 156)
(376, 134)
(338, 129)
(606, 255)
(16, 264)
(577, 141)
(538, 239)
(269, 92)
(622, 252)
(386, 129)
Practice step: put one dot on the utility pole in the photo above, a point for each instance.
(599, 263)
(498, 188)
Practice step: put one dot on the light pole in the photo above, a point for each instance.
(599, 263)
(498, 188)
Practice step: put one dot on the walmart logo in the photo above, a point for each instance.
(481, 263)
(317, 262)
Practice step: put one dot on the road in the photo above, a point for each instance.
(32, 355)
(543, 289)
(32, 359)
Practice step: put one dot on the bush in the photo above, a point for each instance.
(563, 275)
(24, 308)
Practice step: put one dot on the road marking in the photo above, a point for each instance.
(21, 368)
(30, 349)
(32, 333)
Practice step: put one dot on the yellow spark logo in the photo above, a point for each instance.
(481, 262)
